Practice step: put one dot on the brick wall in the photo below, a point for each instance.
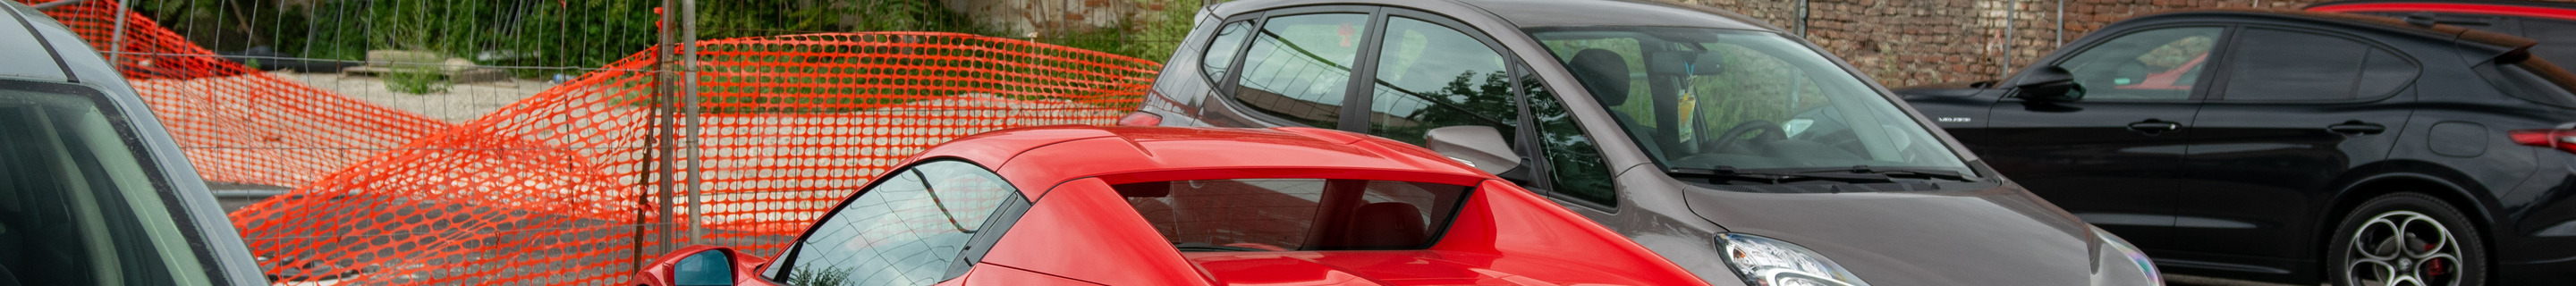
(1910, 42)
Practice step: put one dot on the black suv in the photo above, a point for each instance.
(2293, 146)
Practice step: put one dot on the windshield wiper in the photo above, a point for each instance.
(1902, 172)
(1722, 174)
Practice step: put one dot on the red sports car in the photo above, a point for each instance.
(1176, 206)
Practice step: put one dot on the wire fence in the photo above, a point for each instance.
(412, 142)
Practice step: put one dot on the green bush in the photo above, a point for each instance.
(415, 79)
(1152, 39)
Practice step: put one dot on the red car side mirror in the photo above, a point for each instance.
(701, 265)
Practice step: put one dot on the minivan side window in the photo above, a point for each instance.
(81, 202)
(1220, 52)
(1299, 66)
(2155, 65)
(1431, 76)
(909, 229)
(2282, 65)
(1575, 167)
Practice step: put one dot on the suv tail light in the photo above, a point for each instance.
(1140, 118)
(2561, 139)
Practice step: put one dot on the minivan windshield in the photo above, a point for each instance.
(78, 203)
(1721, 99)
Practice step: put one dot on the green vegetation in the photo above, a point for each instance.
(587, 33)
(819, 277)
(1152, 39)
(416, 79)
(541, 38)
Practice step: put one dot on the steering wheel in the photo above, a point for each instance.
(1726, 141)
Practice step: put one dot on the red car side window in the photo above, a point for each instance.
(906, 229)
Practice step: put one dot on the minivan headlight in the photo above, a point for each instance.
(1764, 261)
(2146, 267)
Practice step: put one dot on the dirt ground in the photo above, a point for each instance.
(460, 103)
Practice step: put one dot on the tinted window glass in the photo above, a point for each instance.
(1430, 76)
(1575, 167)
(1720, 99)
(2273, 64)
(1295, 214)
(906, 230)
(1299, 67)
(2160, 64)
(77, 206)
(1221, 51)
(2523, 82)
(2384, 72)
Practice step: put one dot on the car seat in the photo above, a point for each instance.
(1605, 75)
(1384, 225)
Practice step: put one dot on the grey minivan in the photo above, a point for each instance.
(1720, 142)
(92, 189)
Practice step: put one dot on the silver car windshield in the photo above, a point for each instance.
(1745, 100)
(78, 204)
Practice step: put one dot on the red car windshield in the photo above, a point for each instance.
(1296, 214)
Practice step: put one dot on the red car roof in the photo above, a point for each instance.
(1072, 152)
(1083, 229)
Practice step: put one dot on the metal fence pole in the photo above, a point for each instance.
(689, 99)
(2004, 69)
(662, 132)
(1802, 18)
(116, 42)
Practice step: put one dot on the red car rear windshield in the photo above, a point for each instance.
(1296, 214)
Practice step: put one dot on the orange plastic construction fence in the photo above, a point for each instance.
(559, 189)
(235, 123)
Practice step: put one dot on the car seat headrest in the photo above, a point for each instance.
(1602, 72)
(1381, 225)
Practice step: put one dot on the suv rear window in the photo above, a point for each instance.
(2527, 83)
(1296, 214)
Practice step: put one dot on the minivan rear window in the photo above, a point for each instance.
(1296, 214)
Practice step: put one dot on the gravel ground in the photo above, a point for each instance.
(461, 102)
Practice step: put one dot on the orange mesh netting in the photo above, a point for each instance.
(558, 189)
(549, 190)
(236, 123)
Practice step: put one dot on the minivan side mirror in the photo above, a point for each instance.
(2049, 84)
(1481, 147)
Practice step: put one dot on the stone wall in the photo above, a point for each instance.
(1036, 18)
(1910, 42)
